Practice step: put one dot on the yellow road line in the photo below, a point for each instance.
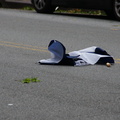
(30, 47)
(117, 59)
(18, 44)
(24, 47)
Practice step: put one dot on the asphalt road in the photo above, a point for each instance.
(64, 93)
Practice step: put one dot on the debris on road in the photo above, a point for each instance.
(29, 80)
(88, 56)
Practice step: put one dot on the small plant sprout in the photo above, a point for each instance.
(29, 80)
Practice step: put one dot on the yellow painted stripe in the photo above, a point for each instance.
(30, 47)
(24, 47)
(18, 44)
(117, 59)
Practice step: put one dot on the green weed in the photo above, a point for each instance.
(29, 80)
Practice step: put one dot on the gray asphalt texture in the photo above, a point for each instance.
(64, 93)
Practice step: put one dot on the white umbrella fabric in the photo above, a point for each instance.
(88, 56)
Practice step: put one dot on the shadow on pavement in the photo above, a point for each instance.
(100, 17)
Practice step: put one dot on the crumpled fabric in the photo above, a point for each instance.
(88, 56)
